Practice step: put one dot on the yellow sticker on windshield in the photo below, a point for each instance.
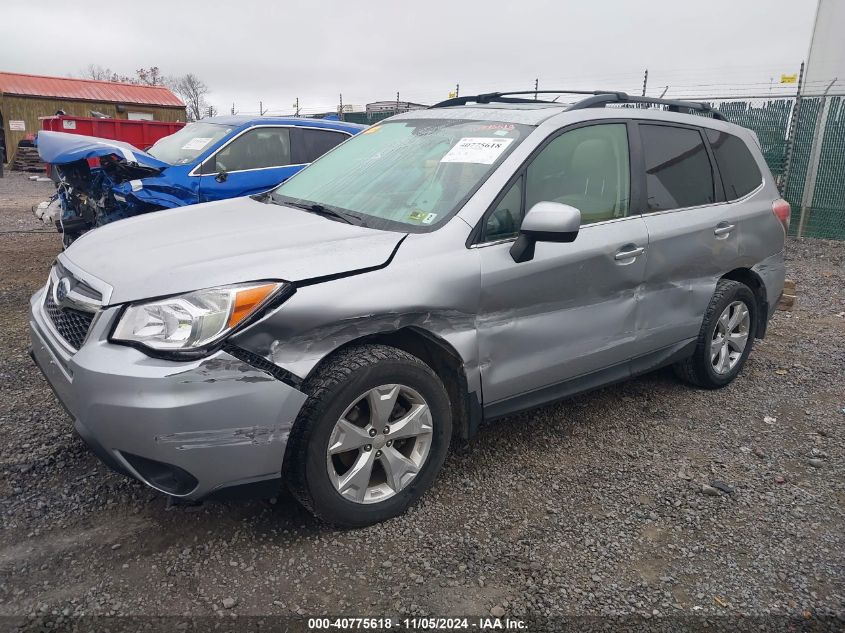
(372, 130)
(423, 217)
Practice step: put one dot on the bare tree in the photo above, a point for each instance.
(193, 92)
(150, 76)
(190, 88)
(95, 71)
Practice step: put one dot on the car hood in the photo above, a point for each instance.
(59, 148)
(218, 243)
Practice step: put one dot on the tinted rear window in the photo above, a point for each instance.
(737, 166)
(678, 170)
(310, 144)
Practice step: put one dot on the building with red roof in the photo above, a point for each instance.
(24, 99)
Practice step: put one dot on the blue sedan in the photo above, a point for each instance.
(100, 180)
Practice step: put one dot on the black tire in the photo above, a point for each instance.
(334, 387)
(697, 369)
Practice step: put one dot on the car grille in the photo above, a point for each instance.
(71, 320)
(72, 325)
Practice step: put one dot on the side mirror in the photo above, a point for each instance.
(221, 176)
(545, 222)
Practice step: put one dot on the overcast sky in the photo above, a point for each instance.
(249, 51)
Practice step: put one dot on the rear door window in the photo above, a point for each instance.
(677, 168)
(739, 171)
(309, 144)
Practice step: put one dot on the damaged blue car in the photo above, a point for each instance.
(101, 180)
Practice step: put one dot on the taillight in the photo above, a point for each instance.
(782, 211)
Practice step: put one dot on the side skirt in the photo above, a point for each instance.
(587, 382)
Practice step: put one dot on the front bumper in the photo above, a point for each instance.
(188, 429)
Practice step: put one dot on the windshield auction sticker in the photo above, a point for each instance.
(198, 142)
(472, 149)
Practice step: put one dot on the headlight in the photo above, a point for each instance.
(195, 319)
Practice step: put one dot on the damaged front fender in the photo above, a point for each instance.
(322, 317)
(153, 193)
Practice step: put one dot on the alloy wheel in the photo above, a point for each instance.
(730, 337)
(379, 444)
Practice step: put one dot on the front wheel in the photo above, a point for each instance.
(371, 437)
(725, 338)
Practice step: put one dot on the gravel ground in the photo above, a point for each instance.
(648, 497)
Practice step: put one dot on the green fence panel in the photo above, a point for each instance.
(825, 216)
(800, 161)
(366, 119)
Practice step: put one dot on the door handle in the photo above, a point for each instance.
(629, 254)
(723, 229)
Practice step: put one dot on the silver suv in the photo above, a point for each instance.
(446, 266)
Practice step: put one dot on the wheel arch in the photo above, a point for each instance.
(443, 359)
(755, 283)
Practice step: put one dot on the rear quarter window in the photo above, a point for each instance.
(309, 144)
(739, 171)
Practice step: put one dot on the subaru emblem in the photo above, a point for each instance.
(61, 290)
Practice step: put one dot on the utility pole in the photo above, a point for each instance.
(233, 108)
(296, 105)
(457, 90)
(645, 81)
(536, 85)
(261, 109)
(397, 102)
(340, 108)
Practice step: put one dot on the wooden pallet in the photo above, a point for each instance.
(787, 301)
(27, 159)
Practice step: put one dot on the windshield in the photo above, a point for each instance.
(408, 173)
(188, 143)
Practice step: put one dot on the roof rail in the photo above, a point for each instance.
(602, 99)
(596, 99)
(505, 97)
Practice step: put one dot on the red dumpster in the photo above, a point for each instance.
(141, 134)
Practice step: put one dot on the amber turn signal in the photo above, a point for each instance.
(246, 301)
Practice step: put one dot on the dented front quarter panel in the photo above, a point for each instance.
(172, 188)
(322, 317)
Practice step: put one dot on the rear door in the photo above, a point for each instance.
(252, 162)
(569, 311)
(693, 234)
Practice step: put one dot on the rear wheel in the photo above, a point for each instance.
(725, 338)
(371, 437)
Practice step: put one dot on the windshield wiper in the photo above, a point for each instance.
(319, 209)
